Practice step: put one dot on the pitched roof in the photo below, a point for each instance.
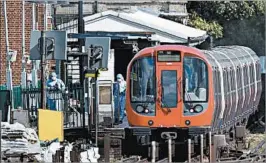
(166, 30)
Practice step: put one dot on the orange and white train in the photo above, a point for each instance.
(176, 89)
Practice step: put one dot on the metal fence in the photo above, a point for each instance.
(71, 102)
(67, 101)
(16, 95)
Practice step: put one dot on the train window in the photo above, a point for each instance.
(142, 80)
(245, 74)
(225, 82)
(169, 85)
(195, 80)
(219, 82)
(251, 72)
(232, 79)
(258, 71)
(239, 84)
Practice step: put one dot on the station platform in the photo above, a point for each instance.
(79, 131)
(124, 124)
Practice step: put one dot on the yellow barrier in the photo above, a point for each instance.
(50, 125)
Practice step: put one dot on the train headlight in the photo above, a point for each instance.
(140, 108)
(198, 108)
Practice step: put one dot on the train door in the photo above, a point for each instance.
(169, 77)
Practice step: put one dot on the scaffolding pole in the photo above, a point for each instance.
(23, 74)
(8, 63)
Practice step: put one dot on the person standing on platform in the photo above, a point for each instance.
(120, 98)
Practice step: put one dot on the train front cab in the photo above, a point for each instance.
(169, 92)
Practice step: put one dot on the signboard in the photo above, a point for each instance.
(169, 56)
(56, 43)
(13, 55)
(100, 51)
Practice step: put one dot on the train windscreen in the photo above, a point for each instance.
(143, 80)
(196, 80)
(142, 86)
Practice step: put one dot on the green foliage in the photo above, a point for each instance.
(211, 15)
(227, 10)
(212, 27)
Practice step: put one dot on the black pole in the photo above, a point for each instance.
(188, 41)
(95, 7)
(80, 30)
(43, 85)
(55, 17)
(80, 23)
(81, 69)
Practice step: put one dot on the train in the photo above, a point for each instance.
(178, 92)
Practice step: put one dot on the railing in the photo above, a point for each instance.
(16, 95)
(67, 101)
(70, 102)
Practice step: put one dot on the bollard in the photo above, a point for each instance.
(74, 156)
(189, 150)
(214, 149)
(170, 150)
(153, 148)
(107, 143)
(201, 148)
(59, 156)
(210, 146)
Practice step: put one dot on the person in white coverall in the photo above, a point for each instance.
(120, 98)
(54, 94)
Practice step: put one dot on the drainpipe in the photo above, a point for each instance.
(45, 17)
(8, 64)
(23, 74)
(45, 29)
(35, 63)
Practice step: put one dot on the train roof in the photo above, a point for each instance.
(229, 56)
(183, 48)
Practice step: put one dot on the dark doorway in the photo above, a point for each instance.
(122, 59)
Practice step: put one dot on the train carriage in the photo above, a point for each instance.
(241, 84)
(179, 91)
(179, 86)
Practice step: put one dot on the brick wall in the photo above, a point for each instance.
(67, 13)
(103, 5)
(14, 9)
(14, 14)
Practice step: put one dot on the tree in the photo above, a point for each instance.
(211, 15)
